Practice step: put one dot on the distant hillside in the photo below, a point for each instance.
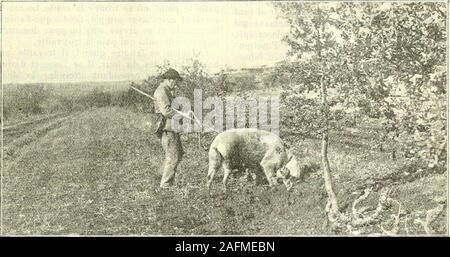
(249, 78)
(71, 88)
(258, 78)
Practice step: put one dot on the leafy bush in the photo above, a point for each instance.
(24, 100)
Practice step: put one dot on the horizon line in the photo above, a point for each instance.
(134, 80)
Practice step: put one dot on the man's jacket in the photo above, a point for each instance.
(163, 99)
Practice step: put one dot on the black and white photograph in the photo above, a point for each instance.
(224, 118)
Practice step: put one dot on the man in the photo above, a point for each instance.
(170, 139)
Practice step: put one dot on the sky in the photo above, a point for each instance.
(67, 42)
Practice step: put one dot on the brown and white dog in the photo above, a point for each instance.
(257, 150)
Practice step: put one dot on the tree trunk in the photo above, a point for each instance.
(325, 163)
(332, 200)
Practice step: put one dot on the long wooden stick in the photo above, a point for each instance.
(179, 112)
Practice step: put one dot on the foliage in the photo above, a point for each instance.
(195, 77)
(23, 100)
(382, 63)
(26, 100)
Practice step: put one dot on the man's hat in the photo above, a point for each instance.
(171, 74)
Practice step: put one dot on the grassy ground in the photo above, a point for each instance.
(97, 172)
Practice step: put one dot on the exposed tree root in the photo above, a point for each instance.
(362, 221)
(430, 217)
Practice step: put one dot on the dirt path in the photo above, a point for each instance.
(19, 135)
(18, 129)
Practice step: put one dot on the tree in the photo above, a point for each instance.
(353, 58)
(195, 77)
(397, 53)
(222, 82)
(347, 60)
(419, 64)
(315, 50)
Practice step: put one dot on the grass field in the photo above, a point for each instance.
(97, 172)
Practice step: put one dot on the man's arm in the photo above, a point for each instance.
(164, 105)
